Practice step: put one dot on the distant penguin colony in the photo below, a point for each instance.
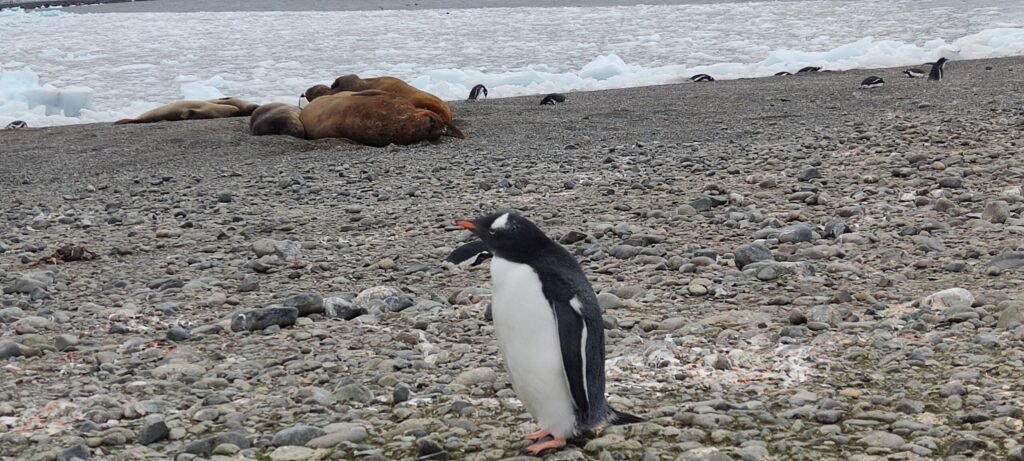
(552, 98)
(16, 125)
(550, 332)
(475, 92)
(702, 78)
(914, 73)
(872, 82)
(937, 70)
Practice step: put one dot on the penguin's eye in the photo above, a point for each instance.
(492, 231)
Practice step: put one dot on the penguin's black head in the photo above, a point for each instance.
(508, 235)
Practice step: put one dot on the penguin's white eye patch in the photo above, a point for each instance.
(500, 223)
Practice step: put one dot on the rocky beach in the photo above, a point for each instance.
(791, 268)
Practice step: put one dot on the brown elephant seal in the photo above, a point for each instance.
(277, 118)
(244, 107)
(189, 110)
(317, 91)
(352, 82)
(373, 117)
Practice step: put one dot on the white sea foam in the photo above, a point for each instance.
(107, 66)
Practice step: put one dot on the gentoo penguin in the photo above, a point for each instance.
(471, 254)
(782, 74)
(475, 92)
(552, 98)
(16, 125)
(937, 71)
(914, 73)
(549, 328)
(872, 82)
(808, 69)
(702, 78)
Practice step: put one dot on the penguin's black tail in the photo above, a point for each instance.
(619, 418)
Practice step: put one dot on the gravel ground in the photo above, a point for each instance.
(790, 267)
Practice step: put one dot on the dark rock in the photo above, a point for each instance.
(398, 303)
(165, 284)
(572, 237)
(176, 333)
(206, 445)
(1008, 260)
(951, 183)
(249, 283)
(808, 174)
(996, 212)
(836, 227)
(797, 318)
(77, 451)
(400, 394)
(750, 253)
(703, 204)
(340, 308)
(153, 430)
(296, 435)
(967, 447)
(796, 233)
(429, 450)
(258, 319)
(306, 303)
(795, 331)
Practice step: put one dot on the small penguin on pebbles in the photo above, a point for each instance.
(872, 82)
(471, 254)
(702, 78)
(549, 328)
(937, 70)
(808, 69)
(914, 73)
(552, 98)
(782, 74)
(16, 125)
(475, 92)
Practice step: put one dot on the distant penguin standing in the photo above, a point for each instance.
(549, 328)
(475, 92)
(702, 78)
(914, 73)
(937, 70)
(872, 82)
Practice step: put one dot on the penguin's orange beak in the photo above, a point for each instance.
(468, 225)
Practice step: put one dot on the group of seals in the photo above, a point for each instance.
(374, 111)
(194, 110)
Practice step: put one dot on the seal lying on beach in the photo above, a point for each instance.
(373, 117)
(189, 109)
(352, 82)
(277, 118)
(244, 107)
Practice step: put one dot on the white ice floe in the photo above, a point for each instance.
(107, 66)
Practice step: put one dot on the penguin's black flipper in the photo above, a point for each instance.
(619, 418)
(473, 253)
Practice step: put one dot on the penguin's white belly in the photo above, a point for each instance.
(528, 337)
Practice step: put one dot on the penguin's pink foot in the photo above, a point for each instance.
(537, 435)
(539, 447)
